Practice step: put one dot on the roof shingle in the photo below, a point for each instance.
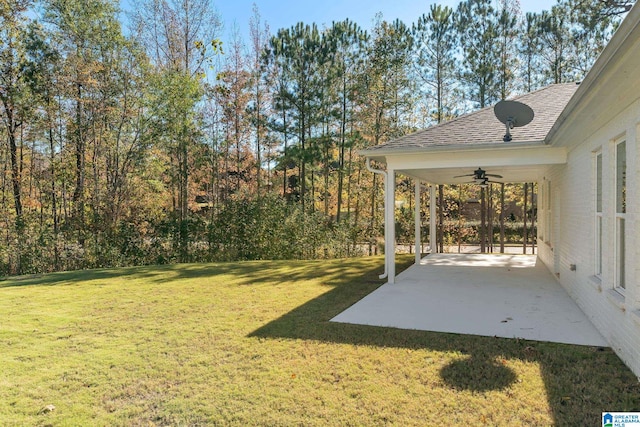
(482, 126)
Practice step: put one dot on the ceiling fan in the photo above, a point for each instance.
(481, 177)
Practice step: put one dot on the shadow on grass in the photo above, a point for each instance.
(244, 273)
(478, 374)
(77, 276)
(581, 382)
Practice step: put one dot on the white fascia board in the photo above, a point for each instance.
(383, 152)
(524, 156)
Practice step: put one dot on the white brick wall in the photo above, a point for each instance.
(573, 238)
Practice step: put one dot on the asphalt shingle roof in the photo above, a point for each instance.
(482, 126)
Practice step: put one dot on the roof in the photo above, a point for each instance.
(482, 127)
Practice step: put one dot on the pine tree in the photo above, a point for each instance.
(435, 58)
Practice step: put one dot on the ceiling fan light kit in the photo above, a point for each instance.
(480, 177)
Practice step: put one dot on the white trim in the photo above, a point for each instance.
(433, 226)
(548, 220)
(620, 282)
(390, 225)
(434, 148)
(598, 233)
(543, 210)
(620, 251)
(418, 224)
(596, 282)
(530, 156)
(617, 299)
(597, 207)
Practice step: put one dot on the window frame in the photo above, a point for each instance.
(598, 217)
(619, 187)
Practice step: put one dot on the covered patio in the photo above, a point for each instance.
(447, 153)
(510, 296)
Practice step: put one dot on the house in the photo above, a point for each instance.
(582, 148)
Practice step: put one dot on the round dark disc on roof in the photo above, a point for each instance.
(517, 113)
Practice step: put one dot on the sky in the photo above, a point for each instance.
(286, 13)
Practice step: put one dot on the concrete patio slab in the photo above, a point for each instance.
(510, 296)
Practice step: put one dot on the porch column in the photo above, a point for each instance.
(390, 225)
(432, 219)
(417, 223)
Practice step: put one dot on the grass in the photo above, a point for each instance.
(250, 344)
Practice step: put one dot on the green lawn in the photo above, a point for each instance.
(251, 344)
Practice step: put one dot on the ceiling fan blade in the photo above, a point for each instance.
(479, 176)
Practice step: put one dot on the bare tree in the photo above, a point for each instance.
(180, 36)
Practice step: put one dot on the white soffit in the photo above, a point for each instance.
(519, 164)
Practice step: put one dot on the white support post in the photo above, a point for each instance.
(432, 219)
(390, 225)
(417, 223)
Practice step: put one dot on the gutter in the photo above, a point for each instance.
(519, 145)
(386, 185)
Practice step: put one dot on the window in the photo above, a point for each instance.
(621, 210)
(541, 212)
(598, 224)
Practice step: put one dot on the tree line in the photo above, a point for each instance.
(160, 143)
